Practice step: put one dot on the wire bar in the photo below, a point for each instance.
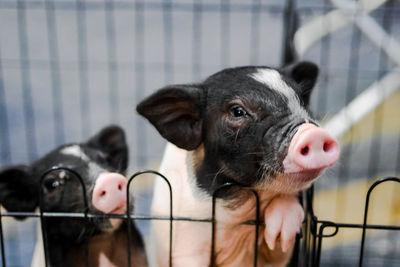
(170, 209)
(3, 254)
(42, 205)
(373, 186)
(256, 222)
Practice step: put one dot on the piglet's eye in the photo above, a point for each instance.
(238, 112)
(52, 184)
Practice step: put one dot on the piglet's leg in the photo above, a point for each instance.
(283, 219)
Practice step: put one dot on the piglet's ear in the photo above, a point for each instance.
(175, 112)
(18, 189)
(305, 75)
(112, 142)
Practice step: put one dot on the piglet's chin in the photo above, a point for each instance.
(120, 210)
(115, 222)
(305, 175)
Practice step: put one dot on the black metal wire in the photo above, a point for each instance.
(3, 255)
(321, 235)
(314, 229)
(213, 224)
(313, 234)
(41, 206)
(364, 227)
(256, 222)
(171, 218)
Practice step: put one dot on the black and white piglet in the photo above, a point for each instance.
(246, 125)
(101, 162)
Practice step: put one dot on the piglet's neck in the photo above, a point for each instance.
(179, 167)
(194, 163)
(205, 176)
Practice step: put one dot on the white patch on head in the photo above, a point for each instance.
(95, 169)
(75, 151)
(273, 80)
(62, 174)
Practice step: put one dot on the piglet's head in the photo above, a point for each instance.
(63, 177)
(248, 125)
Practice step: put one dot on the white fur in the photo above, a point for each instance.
(38, 254)
(184, 204)
(192, 240)
(75, 151)
(95, 170)
(273, 80)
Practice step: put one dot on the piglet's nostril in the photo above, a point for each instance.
(120, 187)
(103, 193)
(328, 146)
(304, 151)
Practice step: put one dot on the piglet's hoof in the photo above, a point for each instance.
(283, 219)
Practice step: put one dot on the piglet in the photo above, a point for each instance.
(101, 163)
(248, 126)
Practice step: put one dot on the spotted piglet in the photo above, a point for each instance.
(249, 126)
(101, 163)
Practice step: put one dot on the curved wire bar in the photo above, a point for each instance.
(321, 235)
(364, 226)
(256, 222)
(170, 213)
(3, 255)
(43, 222)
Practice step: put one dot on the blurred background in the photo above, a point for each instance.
(70, 67)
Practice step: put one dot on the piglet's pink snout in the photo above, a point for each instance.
(311, 148)
(109, 193)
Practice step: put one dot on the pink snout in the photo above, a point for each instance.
(311, 148)
(109, 193)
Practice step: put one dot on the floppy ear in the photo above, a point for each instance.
(18, 189)
(175, 111)
(304, 74)
(112, 142)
